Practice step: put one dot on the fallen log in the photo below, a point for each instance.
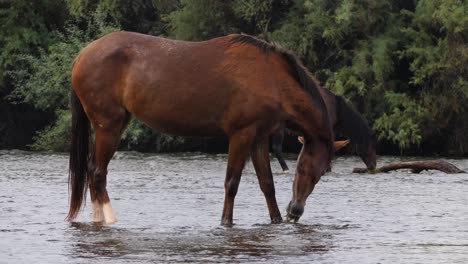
(416, 167)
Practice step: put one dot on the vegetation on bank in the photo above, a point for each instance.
(402, 64)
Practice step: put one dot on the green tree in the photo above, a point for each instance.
(437, 52)
(24, 28)
(144, 16)
(200, 20)
(45, 82)
(204, 19)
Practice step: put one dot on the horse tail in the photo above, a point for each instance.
(79, 155)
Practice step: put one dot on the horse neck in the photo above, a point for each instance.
(351, 124)
(302, 112)
(330, 103)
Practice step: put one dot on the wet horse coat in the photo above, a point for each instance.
(236, 85)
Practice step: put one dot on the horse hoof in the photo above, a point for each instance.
(104, 222)
(110, 222)
(277, 220)
(226, 223)
(286, 171)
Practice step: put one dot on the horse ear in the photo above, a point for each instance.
(337, 145)
(301, 139)
(340, 144)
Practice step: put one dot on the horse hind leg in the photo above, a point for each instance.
(105, 146)
(107, 139)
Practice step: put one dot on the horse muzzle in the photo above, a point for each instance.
(371, 165)
(294, 212)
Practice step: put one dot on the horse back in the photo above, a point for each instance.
(178, 87)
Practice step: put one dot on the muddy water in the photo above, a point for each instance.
(169, 208)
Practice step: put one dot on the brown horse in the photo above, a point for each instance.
(235, 85)
(345, 121)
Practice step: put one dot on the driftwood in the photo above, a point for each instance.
(416, 167)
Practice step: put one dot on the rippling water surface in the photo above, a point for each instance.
(169, 209)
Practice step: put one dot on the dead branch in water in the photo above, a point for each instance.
(416, 167)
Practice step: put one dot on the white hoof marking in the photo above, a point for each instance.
(98, 213)
(109, 215)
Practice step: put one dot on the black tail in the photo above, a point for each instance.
(79, 154)
(350, 123)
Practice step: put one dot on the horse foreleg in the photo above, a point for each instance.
(240, 145)
(261, 162)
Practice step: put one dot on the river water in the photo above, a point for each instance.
(169, 206)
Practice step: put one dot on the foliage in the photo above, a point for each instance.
(44, 80)
(401, 125)
(56, 136)
(141, 137)
(19, 35)
(138, 15)
(199, 20)
(438, 54)
(204, 19)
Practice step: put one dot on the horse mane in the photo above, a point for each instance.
(263, 45)
(350, 123)
(298, 71)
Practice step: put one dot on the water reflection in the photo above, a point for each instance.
(266, 241)
(89, 240)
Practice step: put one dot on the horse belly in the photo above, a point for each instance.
(181, 126)
(180, 111)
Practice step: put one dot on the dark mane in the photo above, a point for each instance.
(260, 44)
(298, 71)
(350, 123)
